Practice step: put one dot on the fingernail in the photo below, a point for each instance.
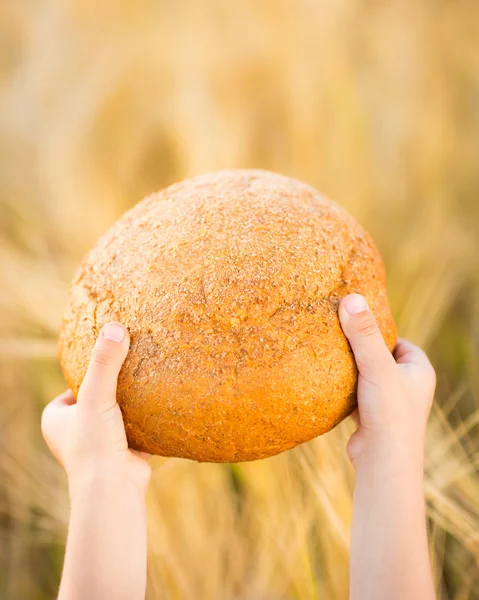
(355, 304)
(113, 332)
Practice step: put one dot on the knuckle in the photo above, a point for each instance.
(102, 357)
(44, 423)
(366, 326)
(431, 376)
(46, 418)
(49, 426)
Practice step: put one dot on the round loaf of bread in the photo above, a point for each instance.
(229, 284)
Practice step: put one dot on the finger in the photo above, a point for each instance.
(144, 455)
(56, 425)
(64, 399)
(409, 355)
(57, 408)
(355, 447)
(355, 417)
(373, 359)
(406, 352)
(98, 390)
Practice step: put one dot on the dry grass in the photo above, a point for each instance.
(376, 105)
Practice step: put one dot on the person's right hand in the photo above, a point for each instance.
(87, 436)
(395, 391)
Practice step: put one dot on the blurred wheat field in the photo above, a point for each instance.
(377, 105)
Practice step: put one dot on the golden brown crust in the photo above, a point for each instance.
(229, 284)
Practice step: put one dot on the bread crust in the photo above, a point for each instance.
(229, 284)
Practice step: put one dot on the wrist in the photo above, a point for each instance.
(392, 451)
(106, 479)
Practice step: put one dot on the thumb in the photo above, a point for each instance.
(373, 359)
(98, 389)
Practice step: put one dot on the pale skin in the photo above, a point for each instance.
(389, 549)
(106, 548)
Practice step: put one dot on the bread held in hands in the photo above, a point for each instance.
(229, 284)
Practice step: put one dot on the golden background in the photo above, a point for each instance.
(375, 104)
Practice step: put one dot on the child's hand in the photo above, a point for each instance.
(395, 393)
(87, 436)
(389, 548)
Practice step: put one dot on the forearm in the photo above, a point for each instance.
(389, 550)
(106, 547)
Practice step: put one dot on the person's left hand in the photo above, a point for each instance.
(87, 436)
